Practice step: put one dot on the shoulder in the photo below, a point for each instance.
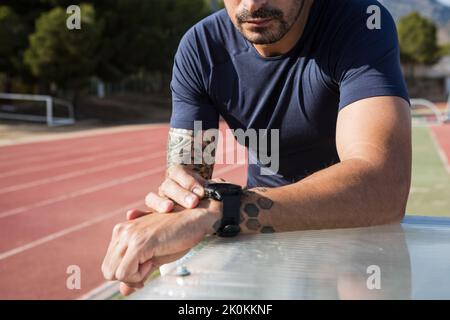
(349, 27)
(212, 38)
(360, 16)
(357, 29)
(353, 15)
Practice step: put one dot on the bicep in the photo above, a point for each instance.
(376, 130)
(190, 98)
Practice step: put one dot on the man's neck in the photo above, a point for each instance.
(291, 38)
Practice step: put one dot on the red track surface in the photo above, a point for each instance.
(59, 201)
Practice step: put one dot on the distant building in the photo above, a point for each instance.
(431, 82)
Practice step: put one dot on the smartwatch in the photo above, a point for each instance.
(230, 196)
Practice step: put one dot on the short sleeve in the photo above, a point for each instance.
(369, 61)
(190, 100)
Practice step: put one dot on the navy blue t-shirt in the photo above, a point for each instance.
(337, 61)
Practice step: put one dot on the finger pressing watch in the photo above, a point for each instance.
(230, 196)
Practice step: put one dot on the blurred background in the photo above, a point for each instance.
(83, 126)
(114, 69)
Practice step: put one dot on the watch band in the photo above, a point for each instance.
(229, 226)
(230, 196)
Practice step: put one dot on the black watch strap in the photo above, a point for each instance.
(229, 226)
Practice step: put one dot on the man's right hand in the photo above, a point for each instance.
(182, 186)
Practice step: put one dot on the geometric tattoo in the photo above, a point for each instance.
(251, 207)
(265, 203)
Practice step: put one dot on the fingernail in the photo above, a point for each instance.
(198, 191)
(167, 204)
(190, 199)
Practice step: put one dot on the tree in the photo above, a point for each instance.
(118, 39)
(143, 35)
(63, 57)
(12, 43)
(444, 50)
(418, 40)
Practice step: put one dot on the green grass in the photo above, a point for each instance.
(430, 192)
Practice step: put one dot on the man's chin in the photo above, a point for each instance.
(260, 36)
(260, 39)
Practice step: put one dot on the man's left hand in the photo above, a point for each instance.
(136, 245)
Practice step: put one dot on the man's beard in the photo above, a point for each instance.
(280, 25)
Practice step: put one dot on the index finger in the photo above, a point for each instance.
(189, 181)
(128, 288)
(130, 270)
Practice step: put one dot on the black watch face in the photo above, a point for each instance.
(225, 188)
(217, 190)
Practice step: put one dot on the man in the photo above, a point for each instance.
(317, 71)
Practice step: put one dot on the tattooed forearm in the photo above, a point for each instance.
(182, 150)
(256, 212)
(253, 208)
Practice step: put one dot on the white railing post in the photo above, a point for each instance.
(49, 105)
(447, 111)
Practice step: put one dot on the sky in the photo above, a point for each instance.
(447, 2)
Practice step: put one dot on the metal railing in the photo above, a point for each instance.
(438, 116)
(447, 111)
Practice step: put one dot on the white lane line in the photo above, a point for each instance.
(85, 224)
(442, 154)
(45, 151)
(78, 173)
(116, 135)
(110, 288)
(72, 161)
(80, 134)
(82, 192)
(102, 292)
(66, 231)
(77, 152)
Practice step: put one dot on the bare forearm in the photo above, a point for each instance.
(348, 194)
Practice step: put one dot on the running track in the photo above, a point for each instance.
(60, 199)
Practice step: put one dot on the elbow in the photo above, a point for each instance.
(390, 211)
(395, 216)
(395, 198)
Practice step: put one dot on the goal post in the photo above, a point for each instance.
(447, 110)
(49, 102)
